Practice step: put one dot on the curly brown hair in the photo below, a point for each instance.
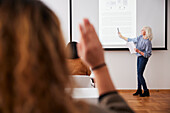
(33, 70)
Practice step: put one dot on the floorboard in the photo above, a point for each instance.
(158, 102)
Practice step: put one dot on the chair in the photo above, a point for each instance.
(81, 81)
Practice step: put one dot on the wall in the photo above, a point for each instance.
(60, 8)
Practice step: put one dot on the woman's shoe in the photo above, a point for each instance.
(145, 94)
(138, 92)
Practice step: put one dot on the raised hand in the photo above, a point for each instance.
(90, 49)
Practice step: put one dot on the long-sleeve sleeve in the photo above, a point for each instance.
(114, 103)
(148, 49)
(111, 102)
(134, 40)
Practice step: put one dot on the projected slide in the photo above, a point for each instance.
(115, 14)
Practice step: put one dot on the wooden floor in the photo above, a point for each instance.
(158, 102)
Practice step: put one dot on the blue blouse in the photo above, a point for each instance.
(143, 45)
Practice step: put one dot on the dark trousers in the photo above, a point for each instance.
(141, 63)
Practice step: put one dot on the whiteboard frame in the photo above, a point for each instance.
(111, 49)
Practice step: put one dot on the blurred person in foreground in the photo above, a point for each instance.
(33, 70)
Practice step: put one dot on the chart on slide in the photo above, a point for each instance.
(115, 14)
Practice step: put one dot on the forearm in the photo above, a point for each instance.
(103, 80)
(125, 38)
(142, 53)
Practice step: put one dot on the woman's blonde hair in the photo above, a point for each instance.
(33, 70)
(148, 31)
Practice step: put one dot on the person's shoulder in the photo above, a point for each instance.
(97, 109)
(70, 60)
(91, 108)
(140, 36)
(74, 61)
